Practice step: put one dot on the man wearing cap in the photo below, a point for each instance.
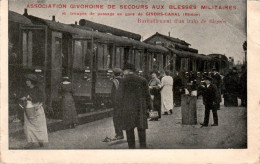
(116, 115)
(134, 103)
(210, 100)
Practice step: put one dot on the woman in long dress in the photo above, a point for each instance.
(166, 94)
(154, 86)
(69, 114)
(35, 126)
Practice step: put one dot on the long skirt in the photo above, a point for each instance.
(35, 127)
(69, 113)
(157, 103)
(166, 98)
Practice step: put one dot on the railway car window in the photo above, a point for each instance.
(150, 61)
(184, 64)
(87, 52)
(100, 51)
(129, 57)
(137, 60)
(164, 61)
(160, 61)
(133, 57)
(38, 48)
(106, 57)
(58, 58)
(65, 57)
(102, 57)
(119, 57)
(25, 48)
(155, 61)
(78, 57)
(178, 64)
(110, 56)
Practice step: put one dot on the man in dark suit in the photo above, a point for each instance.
(116, 112)
(218, 82)
(210, 100)
(177, 90)
(135, 102)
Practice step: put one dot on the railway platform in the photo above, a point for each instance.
(168, 133)
(16, 128)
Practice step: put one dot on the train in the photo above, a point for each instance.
(86, 53)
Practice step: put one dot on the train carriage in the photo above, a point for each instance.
(52, 50)
(51, 53)
(113, 52)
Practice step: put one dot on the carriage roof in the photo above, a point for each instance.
(123, 40)
(109, 29)
(82, 32)
(18, 18)
(58, 26)
(189, 54)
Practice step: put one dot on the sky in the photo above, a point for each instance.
(225, 38)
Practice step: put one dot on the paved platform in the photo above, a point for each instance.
(16, 128)
(168, 133)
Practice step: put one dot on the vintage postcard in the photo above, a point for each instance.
(85, 78)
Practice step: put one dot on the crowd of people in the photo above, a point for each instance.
(134, 98)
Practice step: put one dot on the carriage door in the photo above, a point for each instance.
(33, 53)
(56, 64)
(81, 69)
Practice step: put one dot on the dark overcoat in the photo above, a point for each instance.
(134, 102)
(210, 96)
(217, 80)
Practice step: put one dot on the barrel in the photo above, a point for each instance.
(189, 110)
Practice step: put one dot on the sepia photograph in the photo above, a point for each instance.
(111, 74)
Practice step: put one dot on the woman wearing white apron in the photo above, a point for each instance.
(166, 94)
(35, 127)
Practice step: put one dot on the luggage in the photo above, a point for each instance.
(189, 110)
(153, 114)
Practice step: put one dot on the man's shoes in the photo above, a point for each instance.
(16, 120)
(118, 138)
(166, 113)
(171, 111)
(107, 139)
(203, 125)
(214, 125)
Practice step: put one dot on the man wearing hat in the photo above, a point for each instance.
(210, 101)
(116, 115)
(218, 82)
(231, 88)
(134, 102)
